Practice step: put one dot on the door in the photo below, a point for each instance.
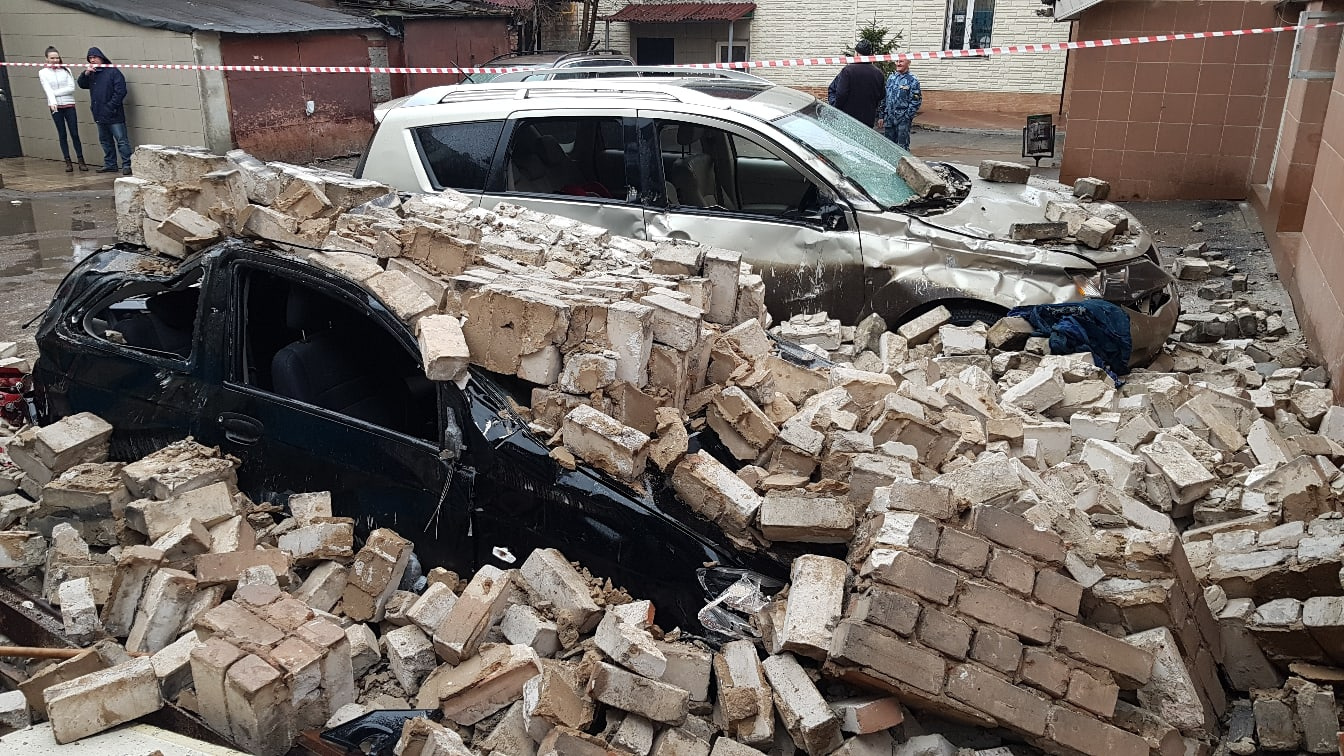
(9, 127)
(573, 164)
(655, 51)
(322, 392)
(721, 185)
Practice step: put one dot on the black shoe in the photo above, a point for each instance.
(105, 169)
(126, 171)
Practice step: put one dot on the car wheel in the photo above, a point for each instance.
(966, 313)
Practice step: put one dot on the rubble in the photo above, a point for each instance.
(978, 531)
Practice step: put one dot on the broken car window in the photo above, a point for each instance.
(305, 344)
(458, 155)
(151, 317)
(864, 156)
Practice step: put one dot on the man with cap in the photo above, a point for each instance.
(858, 88)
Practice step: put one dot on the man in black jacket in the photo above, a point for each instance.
(107, 91)
(859, 87)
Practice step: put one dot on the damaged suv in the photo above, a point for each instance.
(810, 197)
(315, 385)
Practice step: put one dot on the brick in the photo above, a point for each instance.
(524, 625)
(485, 683)
(944, 632)
(224, 569)
(1045, 671)
(1170, 693)
(630, 646)
(210, 664)
(864, 715)
(805, 714)
(163, 608)
(338, 676)
(743, 696)
(320, 540)
(629, 692)
(551, 578)
(963, 550)
(1131, 664)
(996, 650)
(1012, 571)
(1012, 706)
(689, 667)
(365, 650)
(919, 497)
(712, 490)
(172, 664)
(410, 655)
(556, 698)
(480, 606)
(789, 518)
(1058, 591)
(102, 700)
(260, 719)
(995, 606)
(562, 741)
(676, 742)
(904, 569)
(1004, 172)
(1008, 529)
(1039, 231)
(899, 530)
(71, 440)
(1090, 736)
(324, 586)
(814, 606)
(239, 625)
(509, 736)
(869, 646)
(374, 575)
(1088, 692)
(79, 615)
(887, 608)
(302, 664)
(421, 737)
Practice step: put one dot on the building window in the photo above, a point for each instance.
(739, 52)
(969, 24)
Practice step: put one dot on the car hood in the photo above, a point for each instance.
(990, 209)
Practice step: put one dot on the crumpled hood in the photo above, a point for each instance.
(991, 208)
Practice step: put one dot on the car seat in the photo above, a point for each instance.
(527, 169)
(327, 368)
(692, 174)
(167, 323)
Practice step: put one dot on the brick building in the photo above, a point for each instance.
(770, 29)
(1228, 118)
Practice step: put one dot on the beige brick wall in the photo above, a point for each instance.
(163, 107)
(805, 28)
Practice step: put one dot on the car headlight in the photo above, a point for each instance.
(1104, 284)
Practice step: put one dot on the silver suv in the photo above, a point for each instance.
(809, 196)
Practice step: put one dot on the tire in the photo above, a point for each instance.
(966, 313)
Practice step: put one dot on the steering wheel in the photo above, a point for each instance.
(809, 199)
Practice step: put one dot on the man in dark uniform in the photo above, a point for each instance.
(859, 88)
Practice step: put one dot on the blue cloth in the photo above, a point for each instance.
(903, 98)
(107, 91)
(114, 139)
(1092, 325)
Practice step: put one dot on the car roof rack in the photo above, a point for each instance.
(617, 72)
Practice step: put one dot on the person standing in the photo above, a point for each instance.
(903, 100)
(857, 89)
(59, 86)
(107, 92)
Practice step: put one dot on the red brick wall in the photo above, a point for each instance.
(1174, 120)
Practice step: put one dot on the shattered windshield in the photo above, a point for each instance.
(864, 156)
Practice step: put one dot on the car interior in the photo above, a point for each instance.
(330, 355)
(712, 168)
(151, 317)
(581, 157)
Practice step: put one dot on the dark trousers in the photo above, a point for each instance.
(114, 139)
(66, 119)
(899, 132)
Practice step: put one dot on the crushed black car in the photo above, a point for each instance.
(314, 384)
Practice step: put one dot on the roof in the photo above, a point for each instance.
(230, 16)
(681, 13)
(436, 8)
(1070, 10)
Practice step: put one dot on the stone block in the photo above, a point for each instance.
(1004, 172)
(814, 605)
(102, 700)
(410, 655)
(605, 443)
(806, 715)
(630, 646)
(869, 646)
(1014, 707)
(480, 606)
(923, 180)
(375, 574)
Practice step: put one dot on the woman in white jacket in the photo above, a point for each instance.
(60, 88)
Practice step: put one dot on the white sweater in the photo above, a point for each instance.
(58, 84)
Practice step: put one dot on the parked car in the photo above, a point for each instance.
(616, 72)
(315, 385)
(811, 197)
(552, 59)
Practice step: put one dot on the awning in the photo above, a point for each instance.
(681, 13)
(1070, 10)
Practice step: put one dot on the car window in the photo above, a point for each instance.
(149, 316)
(458, 155)
(574, 156)
(707, 167)
(306, 344)
(862, 155)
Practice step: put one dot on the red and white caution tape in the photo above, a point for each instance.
(748, 64)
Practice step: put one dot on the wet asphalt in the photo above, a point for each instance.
(41, 236)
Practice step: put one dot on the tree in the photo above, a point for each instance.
(884, 42)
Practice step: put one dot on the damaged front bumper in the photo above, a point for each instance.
(1146, 292)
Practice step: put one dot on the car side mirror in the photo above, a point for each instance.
(833, 217)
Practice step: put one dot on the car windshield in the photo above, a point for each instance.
(864, 156)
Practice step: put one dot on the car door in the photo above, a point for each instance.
(322, 391)
(720, 184)
(572, 163)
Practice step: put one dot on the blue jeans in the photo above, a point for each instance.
(107, 133)
(899, 132)
(66, 120)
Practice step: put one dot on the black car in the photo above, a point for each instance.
(315, 385)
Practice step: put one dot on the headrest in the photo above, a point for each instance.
(175, 309)
(527, 142)
(687, 134)
(551, 151)
(308, 311)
